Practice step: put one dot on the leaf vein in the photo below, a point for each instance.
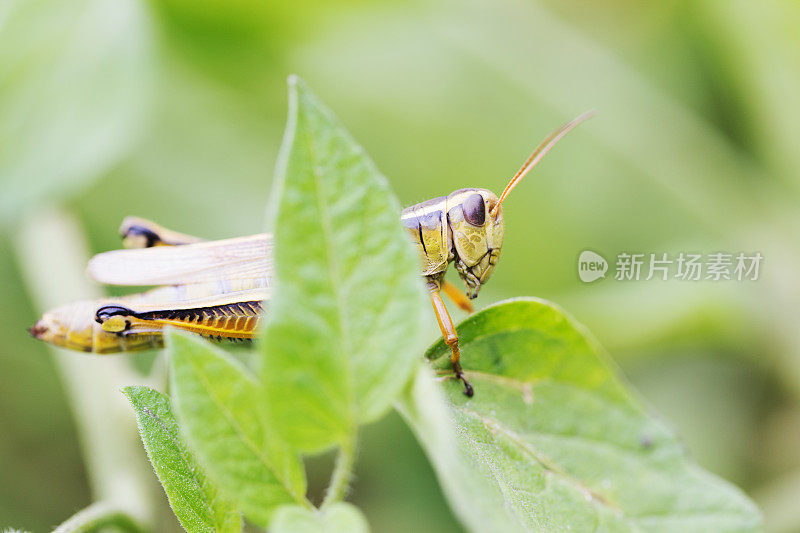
(237, 428)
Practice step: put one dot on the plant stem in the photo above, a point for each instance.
(52, 254)
(96, 516)
(342, 473)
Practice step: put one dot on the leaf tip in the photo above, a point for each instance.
(297, 85)
(293, 80)
(299, 90)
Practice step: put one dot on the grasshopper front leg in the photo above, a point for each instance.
(458, 297)
(449, 334)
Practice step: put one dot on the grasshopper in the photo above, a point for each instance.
(218, 289)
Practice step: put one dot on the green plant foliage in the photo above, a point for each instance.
(194, 499)
(554, 439)
(97, 54)
(218, 405)
(337, 518)
(341, 338)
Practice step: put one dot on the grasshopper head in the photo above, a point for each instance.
(476, 222)
(476, 217)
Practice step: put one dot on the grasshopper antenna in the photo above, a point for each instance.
(546, 145)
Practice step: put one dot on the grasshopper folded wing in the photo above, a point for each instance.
(210, 261)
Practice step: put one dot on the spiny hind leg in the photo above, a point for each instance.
(449, 334)
(141, 233)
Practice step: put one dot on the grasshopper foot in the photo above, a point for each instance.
(459, 374)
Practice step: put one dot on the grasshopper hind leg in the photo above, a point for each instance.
(142, 233)
(449, 334)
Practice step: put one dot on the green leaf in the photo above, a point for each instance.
(193, 497)
(337, 518)
(341, 339)
(554, 440)
(218, 404)
(76, 81)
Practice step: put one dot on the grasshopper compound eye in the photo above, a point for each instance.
(474, 210)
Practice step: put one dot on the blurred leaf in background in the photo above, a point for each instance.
(75, 82)
(76, 79)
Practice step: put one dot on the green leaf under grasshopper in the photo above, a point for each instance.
(554, 439)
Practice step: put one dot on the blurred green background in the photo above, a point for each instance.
(174, 110)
